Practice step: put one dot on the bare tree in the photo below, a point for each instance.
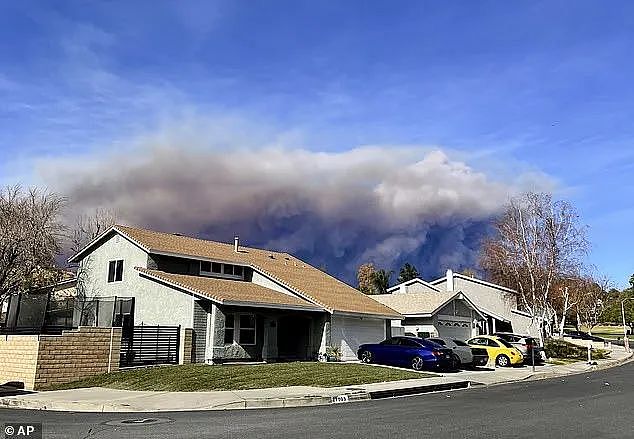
(594, 298)
(30, 237)
(88, 227)
(538, 241)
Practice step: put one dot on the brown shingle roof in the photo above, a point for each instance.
(232, 291)
(415, 303)
(302, 278)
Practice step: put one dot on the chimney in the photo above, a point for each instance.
(449, 280)
(236, 243)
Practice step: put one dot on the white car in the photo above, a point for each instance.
(463, 351)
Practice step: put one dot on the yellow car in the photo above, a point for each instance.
(499, 350)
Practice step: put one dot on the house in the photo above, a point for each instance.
(498, 303)
(242, 303)
(456, 306)
(430, 312)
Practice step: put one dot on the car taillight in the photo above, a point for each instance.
(436, 353)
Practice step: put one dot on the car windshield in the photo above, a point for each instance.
(505, 343)
(460, 343)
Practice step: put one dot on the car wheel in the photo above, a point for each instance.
(366, 357)
(503, 361)
(417, 363)
(455, 362)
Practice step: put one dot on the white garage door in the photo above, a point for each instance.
(350, 332)
(454, 329)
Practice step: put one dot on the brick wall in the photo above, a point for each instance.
(186, 354)
(40, 361)
(18, 359)
(77, 354)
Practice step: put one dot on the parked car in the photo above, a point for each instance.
(501, 351)
(526, 345)
(466, 355)
(580, 335)
(413, 352)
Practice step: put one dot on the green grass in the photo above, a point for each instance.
(200, 377)
(564, 350)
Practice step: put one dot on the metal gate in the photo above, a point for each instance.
(148, 345)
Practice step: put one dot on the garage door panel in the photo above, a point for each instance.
(350, 332)
(454, 329)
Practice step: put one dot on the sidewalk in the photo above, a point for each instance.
(109, 400)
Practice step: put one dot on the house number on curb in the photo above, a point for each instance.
(339, 399)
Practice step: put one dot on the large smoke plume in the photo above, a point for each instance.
(334, 209)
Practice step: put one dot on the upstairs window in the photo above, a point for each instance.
(115, 271)
(215, 267)
(205, 266)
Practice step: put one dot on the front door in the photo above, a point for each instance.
(293, 337)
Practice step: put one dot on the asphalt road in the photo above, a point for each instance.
(593, 405)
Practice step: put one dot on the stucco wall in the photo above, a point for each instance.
(18, 359)
(155, 303)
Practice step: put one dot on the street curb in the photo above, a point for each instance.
(299, 401)
(405, 391)
(259, 403)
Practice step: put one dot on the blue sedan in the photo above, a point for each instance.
(413, 352)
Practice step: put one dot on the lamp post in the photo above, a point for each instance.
(626, 341)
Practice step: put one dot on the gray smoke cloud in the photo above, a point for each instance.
(336, 210)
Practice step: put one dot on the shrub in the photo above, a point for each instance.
(563, 349)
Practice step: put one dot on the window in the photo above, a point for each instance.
(229, 329)
(215, 267)
(228, 269)
(237, 270)
(505, 343)
(423, 334)
(438, 341)
(240, 328)
(205, 266)
(247, 329)
(115, 271)
(409, 343)
(460, 342)
(479, 341)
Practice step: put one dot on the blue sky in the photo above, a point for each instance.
(541, 87)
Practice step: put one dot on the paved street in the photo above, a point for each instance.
(591, 405)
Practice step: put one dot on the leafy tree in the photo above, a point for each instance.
(365, 277)
(382, 281)
(407, 272)
(632, 282)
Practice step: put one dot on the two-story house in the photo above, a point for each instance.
(242, 303)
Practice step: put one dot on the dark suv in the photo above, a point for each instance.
(526, 345)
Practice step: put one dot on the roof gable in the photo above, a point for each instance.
(422, 303)
(416, 280)
(474, 280)
(301, 278)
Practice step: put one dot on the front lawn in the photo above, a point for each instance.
(557, 349)
(200, 377)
